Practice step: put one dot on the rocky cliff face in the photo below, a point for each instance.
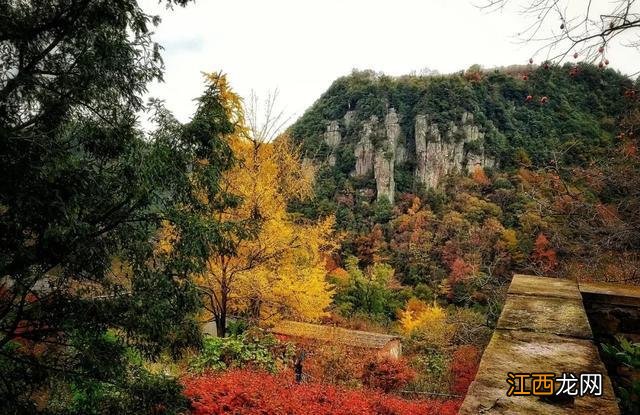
(439, 149)
(402, 134)
(364, 148)
(332, 138)
(385, 157)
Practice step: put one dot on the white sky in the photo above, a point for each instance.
(301, 47)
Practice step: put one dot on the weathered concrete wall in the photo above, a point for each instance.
(543, 328)
(612, 308)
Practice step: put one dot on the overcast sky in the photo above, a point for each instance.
(301, 47)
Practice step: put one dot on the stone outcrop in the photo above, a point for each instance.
(332, 138)
(349, 118)
(478, 161)
(385, 157)
(441, 151)
(364, 148)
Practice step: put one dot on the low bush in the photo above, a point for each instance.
(250, 349)
(464, 365)
(335, 364)
(433, 374)
(387, 374)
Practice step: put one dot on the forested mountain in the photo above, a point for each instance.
(496, 117)
(457, 181)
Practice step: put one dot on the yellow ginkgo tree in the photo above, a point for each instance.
(272, 267)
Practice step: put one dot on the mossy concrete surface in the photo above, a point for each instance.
(543, 329)
(544, 287)
(561, 316)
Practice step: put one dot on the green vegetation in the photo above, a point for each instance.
(83, 195)
(562, 201)
(627, 357)
(578, 119)
(252, 349)
(366, 291)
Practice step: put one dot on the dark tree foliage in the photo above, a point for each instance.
(84, 291)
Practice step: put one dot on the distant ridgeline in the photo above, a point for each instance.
(379, 135)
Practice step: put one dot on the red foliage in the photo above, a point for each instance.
(543, 254)
(330, 263)
(346, 199)
(245, 392)
(450, 252)
(629, 149)
(460, 270)
(464, 366)
(387, 374)
(630, 93)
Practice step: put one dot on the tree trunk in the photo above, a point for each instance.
(221, 325)
(221, 321)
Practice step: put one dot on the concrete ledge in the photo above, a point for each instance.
(561, 316)
(544, 287)
(543, 328)
(609, 293)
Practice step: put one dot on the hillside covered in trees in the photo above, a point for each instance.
(445, 186)
(524, 113)
(476, 175)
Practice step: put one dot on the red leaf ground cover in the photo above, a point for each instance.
(246, 392)
(464, 366)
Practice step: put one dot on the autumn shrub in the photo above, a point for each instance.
(464, 365)
(469, 327)
(426, 326)
(335, 364)
(243, 392)
(387, 374)
(432, 372)
(543, 255)
(250, 349)
(480, 177)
